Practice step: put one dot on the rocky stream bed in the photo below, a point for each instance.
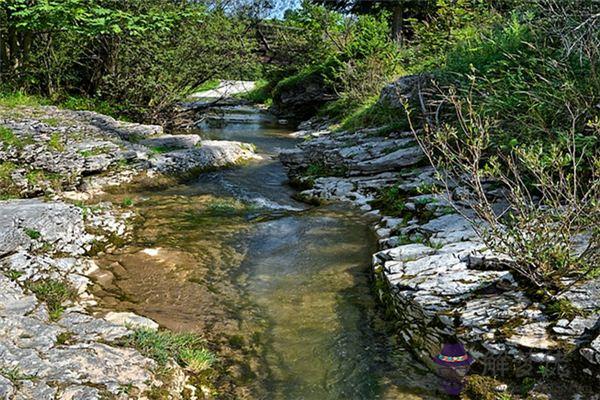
(432, 272)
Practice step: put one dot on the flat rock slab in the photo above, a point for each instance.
(57, 223)
(172, 141)
(211, 154)
(226, 89)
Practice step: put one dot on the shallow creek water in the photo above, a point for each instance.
(280, 290)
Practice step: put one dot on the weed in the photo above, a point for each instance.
(54, 293)
(15, 375)
(64, 338)
(56, 142)
(8, 138)
(127, 202)
(51, 121)
(13, 275)
(32, 233)
(563, 308)
(197, 360)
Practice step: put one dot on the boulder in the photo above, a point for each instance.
(404, 89)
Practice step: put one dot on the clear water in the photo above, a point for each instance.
(280, 289)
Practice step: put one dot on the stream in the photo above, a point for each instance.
(280, 290)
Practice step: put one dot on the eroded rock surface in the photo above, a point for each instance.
(437, 276)
(47, 150)
(68, 355)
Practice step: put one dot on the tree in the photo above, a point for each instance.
(400, 11)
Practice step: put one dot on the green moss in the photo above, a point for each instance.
(54, 293)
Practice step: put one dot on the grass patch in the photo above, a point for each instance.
(563, 309)
(391, 201)
(56, 142)
(261, 94)
(15, 375)
(96, 151)
(8, 189)
(127, 202)
(64, 338)
(210, 84)
(6, 169)
(54, 293)
(14, 99)
(33, 234)
(51, 121)
(79, 103)
(13, 275)
(373, 114)
(8, 138)
(197, 360)
(161, 149)
(186, 348)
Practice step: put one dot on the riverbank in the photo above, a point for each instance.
(437, 277)
(55, 166)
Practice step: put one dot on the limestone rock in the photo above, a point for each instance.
(130, 319)
(172, 141)
(211, 154)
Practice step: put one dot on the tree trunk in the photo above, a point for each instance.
(397, 23)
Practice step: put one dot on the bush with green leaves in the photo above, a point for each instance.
(138, 56)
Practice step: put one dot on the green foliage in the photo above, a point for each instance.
(261, 94)
(563, 308)
(54, 293)
(93, 104)
(127, 202)
(197, 360)
(33, 234)
(18, 98)
(56, 142)
(8, 138)
(391, 201)
(128, 57)
(186, 348)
